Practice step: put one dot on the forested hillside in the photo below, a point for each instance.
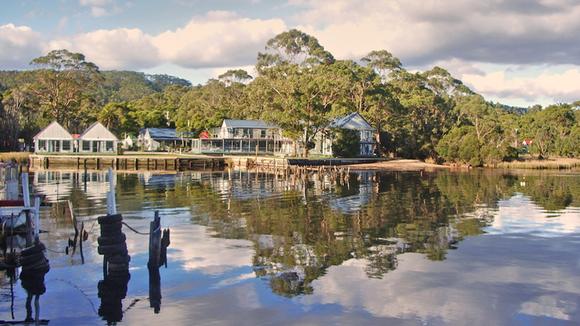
(301, 87)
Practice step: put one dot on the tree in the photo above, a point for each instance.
(346, 143)
(298, 100)
(383, 63)
(422, 119)
(116, 117)
(550, 130)
(295, 48)
(444, 85)
(235, 76)
(63, 79)
(19, 117)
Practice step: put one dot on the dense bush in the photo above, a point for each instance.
(346, 143)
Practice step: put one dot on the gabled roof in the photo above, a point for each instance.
(97, 131)
(161, 133)
(255, 124)
(53, 131)
(353, 121)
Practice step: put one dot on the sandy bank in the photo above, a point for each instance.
(398, 165)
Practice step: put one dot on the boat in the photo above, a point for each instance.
(15, 208)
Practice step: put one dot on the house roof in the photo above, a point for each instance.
(353, 121)
(161, 133)
(97, 131)
(255, 124)
(53, 131)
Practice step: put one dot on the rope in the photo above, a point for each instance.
(130, 228)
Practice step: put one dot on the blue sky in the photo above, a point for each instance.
(519, 52)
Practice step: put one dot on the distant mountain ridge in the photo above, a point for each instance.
(118, 86)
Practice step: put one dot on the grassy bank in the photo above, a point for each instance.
(20, 157)
(546, 164)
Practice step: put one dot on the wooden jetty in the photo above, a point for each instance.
(127, 162)
(179, 162)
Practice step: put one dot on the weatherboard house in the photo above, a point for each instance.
(243, 137)
(354, 121)
(97, 139)
(54, 139)
(160, 139)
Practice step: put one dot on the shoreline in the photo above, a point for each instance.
(570, 164)
(400, 165)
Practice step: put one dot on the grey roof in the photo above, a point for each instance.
(162, 133)
(255, 124)
(353, 121)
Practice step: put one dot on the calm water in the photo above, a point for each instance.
(477, 248)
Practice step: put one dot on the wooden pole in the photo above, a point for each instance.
(111, 203)
(36, 217)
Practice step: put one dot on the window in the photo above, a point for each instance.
(263, 133)
(86, 145)
(42, 145)
(66, 145)
(109, 146)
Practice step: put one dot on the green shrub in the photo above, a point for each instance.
(346, 143)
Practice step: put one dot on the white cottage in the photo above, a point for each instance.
(129, 142)
(98, 139)
(53, 139)
(353, 121)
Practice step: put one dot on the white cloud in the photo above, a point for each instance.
(98, 8)
(217, 39)
(198, 250)
(421, 32)
(113, 49)
(555, 86)
(18, 43)
(481, 293)
(464, 37)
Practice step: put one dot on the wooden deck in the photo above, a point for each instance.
(126, 162)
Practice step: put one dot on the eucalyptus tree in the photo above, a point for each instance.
(19, 117)
(383, 63)
(62, 81)
(235, 76)
(293, 48)
(298, 100)
(293, 86)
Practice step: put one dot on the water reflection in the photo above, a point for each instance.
(428, 248)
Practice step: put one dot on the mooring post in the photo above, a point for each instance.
(25, 190)
(154, 241)
(111, 203)
(36, 217)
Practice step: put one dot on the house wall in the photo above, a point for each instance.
(248, 133)
(323, 143)
(97, 146)
(42, 145)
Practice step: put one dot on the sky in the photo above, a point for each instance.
(518, 52)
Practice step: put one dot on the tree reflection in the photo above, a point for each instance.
(297, 240)
(302, 226)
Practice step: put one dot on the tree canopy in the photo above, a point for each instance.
(299, 86)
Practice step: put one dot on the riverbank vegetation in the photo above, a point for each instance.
(301, 87)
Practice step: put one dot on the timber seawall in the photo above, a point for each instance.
(168, 162)
(126, 162)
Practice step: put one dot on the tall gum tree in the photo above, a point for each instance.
(63, 80)
(373, 85)
(293, 86)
